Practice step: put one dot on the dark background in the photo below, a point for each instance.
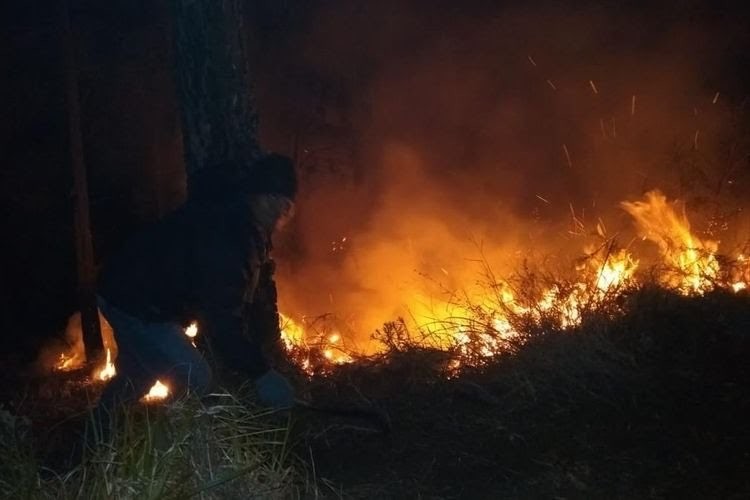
(319, 69)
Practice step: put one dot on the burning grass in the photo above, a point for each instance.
(652, 403)
(490, 317)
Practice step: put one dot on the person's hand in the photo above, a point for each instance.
(274, 390)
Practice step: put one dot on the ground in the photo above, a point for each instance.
(651, 404)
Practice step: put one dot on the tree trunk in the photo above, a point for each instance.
(92, 337)
(219, 122)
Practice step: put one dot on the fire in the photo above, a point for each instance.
(108, 371)
(692, 263)
(480, 322)
(191, 331)
(485, 320)
(292, 334)
(158, 392)
(302, 342)
(66, 362)
(616, 270)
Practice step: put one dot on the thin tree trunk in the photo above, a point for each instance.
(219, 121)
(92, 337)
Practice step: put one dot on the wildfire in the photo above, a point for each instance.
(484, 322)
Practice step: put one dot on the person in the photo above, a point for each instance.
(207, 261)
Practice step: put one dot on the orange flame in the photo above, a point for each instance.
(483, 322)
(158, 392)
(108, 371)
(692, 262)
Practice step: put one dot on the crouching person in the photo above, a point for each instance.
(207, 261)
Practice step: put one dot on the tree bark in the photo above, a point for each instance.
(219, 121)
(86, 268)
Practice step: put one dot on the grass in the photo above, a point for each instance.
(650, 404)
(187, 449)
(651, 401)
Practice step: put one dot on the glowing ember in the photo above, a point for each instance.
(738, 286)
(157, 392)
(108, 371)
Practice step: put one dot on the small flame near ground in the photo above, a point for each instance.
(158, 392)
(74, 358)
(108, 371)
(192, 332)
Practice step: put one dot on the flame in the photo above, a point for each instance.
(66, 362)
(108, 371)
(191, 331)
(487, 320)
(617, 269)
(292, 334)
(692, 263)
(158, 392)
(300, 342)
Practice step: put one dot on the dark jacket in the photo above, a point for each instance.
(205, 261)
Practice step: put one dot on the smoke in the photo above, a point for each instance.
(489, 135)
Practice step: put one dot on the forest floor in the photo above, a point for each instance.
(652, 404)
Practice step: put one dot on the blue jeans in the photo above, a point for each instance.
(151, 351)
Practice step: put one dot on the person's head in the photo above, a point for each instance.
(273, 189)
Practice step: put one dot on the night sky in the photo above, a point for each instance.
(337, 82)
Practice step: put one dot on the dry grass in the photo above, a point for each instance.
(650, 403)
(221, 447)
(648, 397)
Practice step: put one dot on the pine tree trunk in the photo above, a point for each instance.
(86, 268)
(219, 122)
